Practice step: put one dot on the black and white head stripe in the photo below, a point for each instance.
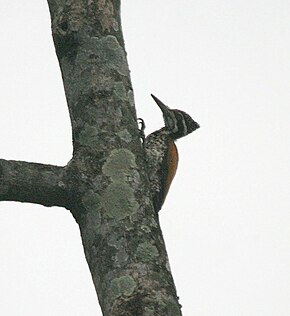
(184, 124)
(177, 122)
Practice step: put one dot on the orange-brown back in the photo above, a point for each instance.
(172, 163)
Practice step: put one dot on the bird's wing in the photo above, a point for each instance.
(166, 175)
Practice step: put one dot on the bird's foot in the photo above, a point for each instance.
(141, 129)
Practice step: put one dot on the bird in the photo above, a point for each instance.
(161, 153)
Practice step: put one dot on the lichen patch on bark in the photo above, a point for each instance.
(119, 201)
(88, 136)
(120, 90)
(146, 252)
(124, 285)
(131, 98)
(119, 198)
(113, 54)
(120, 164)
(125, 136)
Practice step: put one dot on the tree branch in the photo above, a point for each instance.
(90, 48)
(105, 185)
(32, 182)
(120, 231)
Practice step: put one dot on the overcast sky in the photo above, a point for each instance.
(226, 220)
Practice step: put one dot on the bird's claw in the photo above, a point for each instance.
(141, 129)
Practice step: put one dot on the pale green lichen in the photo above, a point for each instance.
(120, 90)
(123, 286)
(125, 136)
(113, 54)
(119, 165)
(104, 52)
(146, 252)
(131, 98)
(88, 136)
(119, 200)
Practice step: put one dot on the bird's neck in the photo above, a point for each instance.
(173, 135)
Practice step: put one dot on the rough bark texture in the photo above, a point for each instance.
(105, 185)
(32, 182)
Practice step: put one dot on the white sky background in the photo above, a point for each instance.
(226, 220)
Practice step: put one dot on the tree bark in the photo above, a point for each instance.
(105, 185)
(33, 182)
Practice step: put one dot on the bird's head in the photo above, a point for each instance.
(177, 122)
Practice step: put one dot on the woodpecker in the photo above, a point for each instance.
(161, 152)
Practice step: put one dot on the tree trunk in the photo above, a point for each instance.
(105, 185)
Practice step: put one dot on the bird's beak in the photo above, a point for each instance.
(164, 108)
